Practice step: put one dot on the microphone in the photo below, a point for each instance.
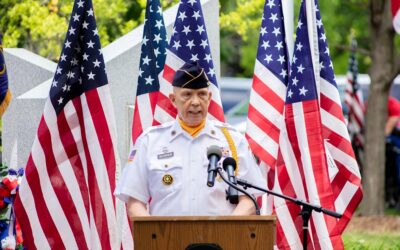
(213, 154)
(229, 165)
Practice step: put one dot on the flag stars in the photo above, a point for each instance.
(278, 45)
(159, 10)
(303, 91)
(294, 59)
(200, 29)
(186, 29)
(211, 72)
(70, 75)
(182, 16)
(140, 72)
(157, 38)
(54, 83)
(290, 93)
(300, 69)
(67, 44)
(85, 25)
(60, 100)
(80, 4)
(146, 60)
(149, 80)
(263, 31)
(327, 51)
(58, 70)
(71, 31)
(281, 59)
(158, 24)
(95, 32)
(276, 31)
(208, 58)
(85, 56)
(63, 57)
(299, 24)
(192, 2)
(145, 40)
(194, 58)
(265, 44)
(299, 46)
(157, 52)
(323, 37)
(204, 43)
(90, 12)
(321, 65)
(190, 44)
(91, 75)
(273, 17)
(268, 58)
(90, 44)
(76, 17)
(283, 73)
(295, 81)
(96, 63)
(176, 45)
(270, 4)
(319, 23)
(196, 14)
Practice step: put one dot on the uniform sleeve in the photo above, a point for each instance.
(248, 168)
(133, 180)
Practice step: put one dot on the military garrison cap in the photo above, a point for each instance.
(191, 76)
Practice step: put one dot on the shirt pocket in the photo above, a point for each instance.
(165, 177)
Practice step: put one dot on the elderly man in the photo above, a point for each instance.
(168, 172)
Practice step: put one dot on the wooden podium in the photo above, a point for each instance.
(183, 232)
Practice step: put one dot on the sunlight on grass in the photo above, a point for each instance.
(361, 241)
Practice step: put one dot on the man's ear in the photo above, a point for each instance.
(172, 98)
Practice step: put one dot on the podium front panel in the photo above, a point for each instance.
(227, 232)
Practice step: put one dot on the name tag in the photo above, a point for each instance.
(165, 155)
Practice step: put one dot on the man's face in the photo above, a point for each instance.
(192, 104)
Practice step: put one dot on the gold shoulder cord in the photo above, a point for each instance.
(232, 147)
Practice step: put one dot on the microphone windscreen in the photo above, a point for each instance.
(214, 150)
(229, 161)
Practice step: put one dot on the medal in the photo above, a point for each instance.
(167, 179)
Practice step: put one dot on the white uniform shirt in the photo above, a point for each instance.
(169, 150)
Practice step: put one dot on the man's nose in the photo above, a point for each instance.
(195, 100)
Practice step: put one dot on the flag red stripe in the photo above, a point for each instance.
(268, 94)
(46, 221)
(21, 215)
(59, 186)
(331, 107)
(96, 203)
(216, 110)
(262, 122)
(103, 134)
(165, 103)
(168, 73)
(338, 141)
(71, 150)
(261, 152)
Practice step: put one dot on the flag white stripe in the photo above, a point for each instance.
(269, 79)
(94, 236)
(161, 115)
(265, 108)
(100, 171)
(345, 196)
(262, 138)
(347, 161)
(144, 109)
(313, 196)
(64, 165)
(28, 203)
(51, 200)
(334, 124)
(330, 91)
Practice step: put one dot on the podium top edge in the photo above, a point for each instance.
(205, 218)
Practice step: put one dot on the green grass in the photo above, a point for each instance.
(364, 241)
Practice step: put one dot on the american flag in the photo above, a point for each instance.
(354, 101)
(66, 198)
(189, 43)
(5, 94)
(305, 133)
(344, 172)
(267, 96)
(396, 15)
(152, 61)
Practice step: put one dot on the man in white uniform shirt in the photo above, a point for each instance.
(167, 169)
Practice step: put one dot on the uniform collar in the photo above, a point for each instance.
(209, 130)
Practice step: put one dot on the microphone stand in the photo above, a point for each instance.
(306, 209)
(219, 169)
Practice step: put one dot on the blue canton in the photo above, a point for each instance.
(153, 53)
(189, 40)
(81, 64)
(272, 50)
(301, 85)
